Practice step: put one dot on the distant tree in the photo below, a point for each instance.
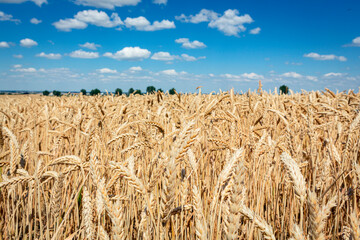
(57, 93)
(160, 90)
(46, 93)
(172, 91)
(83, 91)
(131, 90)
(284, 89)
(118, 91)
(150, 89)
(137, 91)
(94, 92)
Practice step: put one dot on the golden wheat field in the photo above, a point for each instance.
(187, 166)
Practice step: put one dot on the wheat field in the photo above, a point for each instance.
(187, 166)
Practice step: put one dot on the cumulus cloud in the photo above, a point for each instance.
(106, 70)
(52, 56)
(84, 54)
(37, 2)
(27, 42)
(312, 78)
(247, 77)
(24, 70)
(99, 18)
(319, 57)
(91, 46)
(230, 23)
(35, 21)
(189, 58)
(19, 56)
(17, 66)
(255, 30)
(203, 16)
(332, 74)
(108, 4)
(68, 24)
(186, 43)
(252, 76)
(163, 56)
(135, 69)
(142, 24)
(170, 72)
(93, 17)
(130, 54)
(7, 17)
(4, 45)
(292, 75)
(160, 2)
(355, 43)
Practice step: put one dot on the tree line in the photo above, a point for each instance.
(118, 91)
(150, 90)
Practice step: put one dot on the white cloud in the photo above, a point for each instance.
(25, 70)
(84, 54)
(35, 21)
(170, 72)
(83, 18)
(252, 76)
(129, 53)
(163, 56)
(203, 16)
(189, 58)
(319, 57)
(312, 78)
(4, 45)
(19, 56)
(292, 75)
(246, 77)
(142, 24)
(332, 74)
(68, 24)
(230, 23)
(106, 70)
(99, 18)
(255, 30)
(231, 77)
(160, 2)
(355, 43)
(135, 69)
(186, 43)
(37, 2)
(17, 66)
(91, 46)
(7, 17)
(27, 42)
(109, 4)
(52, 56)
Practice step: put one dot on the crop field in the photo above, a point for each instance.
(185, 166)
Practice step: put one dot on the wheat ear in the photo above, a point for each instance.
(87, 214)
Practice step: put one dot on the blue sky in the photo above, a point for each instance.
(72, 44)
